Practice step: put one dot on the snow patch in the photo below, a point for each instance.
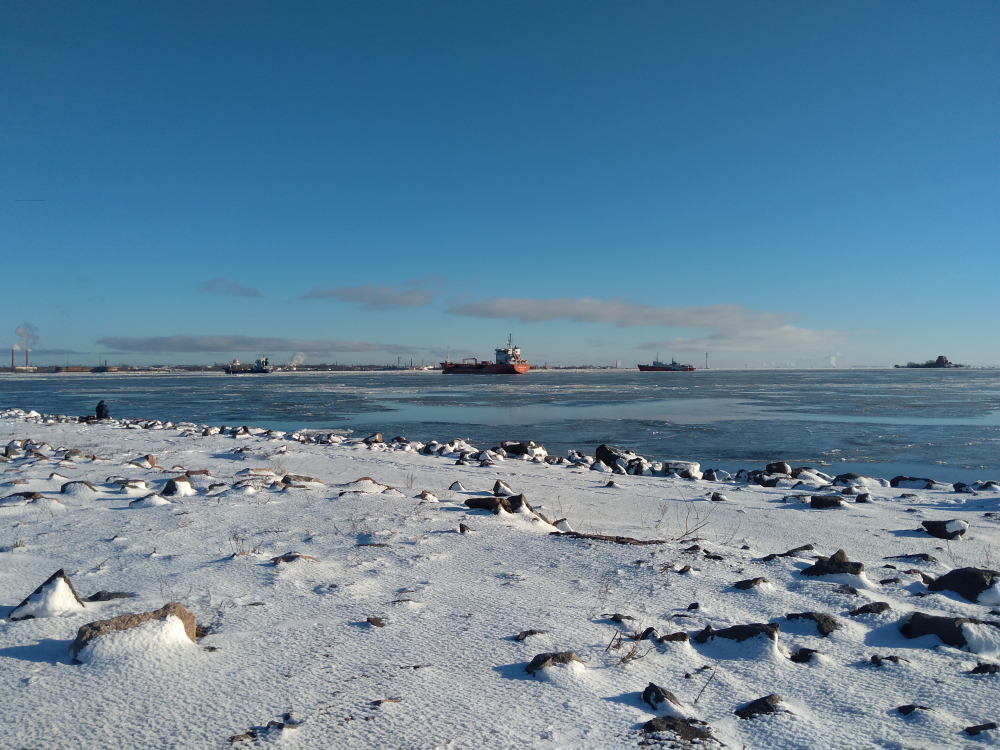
(991, 596)
(150, 501)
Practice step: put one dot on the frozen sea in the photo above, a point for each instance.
(942, 424)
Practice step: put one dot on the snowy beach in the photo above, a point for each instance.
(385, 593)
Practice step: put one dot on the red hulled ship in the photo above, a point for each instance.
(508, 362)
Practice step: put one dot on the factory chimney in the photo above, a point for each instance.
(26, 364)
(12, 358)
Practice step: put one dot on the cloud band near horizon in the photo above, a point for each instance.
(236, 343)
(733, 327)
(416, 293)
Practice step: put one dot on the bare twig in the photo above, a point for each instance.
(712, 677)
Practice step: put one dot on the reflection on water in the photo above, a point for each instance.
(944, 424)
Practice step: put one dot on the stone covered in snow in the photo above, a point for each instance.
(94, 630)
(53, 598)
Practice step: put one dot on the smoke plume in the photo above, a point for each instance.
(29, 337)
(298, 359)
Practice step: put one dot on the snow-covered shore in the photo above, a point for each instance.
(393, 629)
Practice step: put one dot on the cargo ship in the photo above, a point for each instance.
(659, 366)
(508, 362)
(940, 362)
(261, 367)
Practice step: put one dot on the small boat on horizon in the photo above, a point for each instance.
(658, 366)
(508, 362)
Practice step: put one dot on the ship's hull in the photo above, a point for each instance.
(483, 368)
(678, 368)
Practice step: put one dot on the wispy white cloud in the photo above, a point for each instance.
(730, 327)
(416, 293)
(222, 285)
(235, 343)
(781, 338)
(619, 312)
(442, 352)
(54, 352)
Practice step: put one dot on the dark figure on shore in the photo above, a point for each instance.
(102, 411)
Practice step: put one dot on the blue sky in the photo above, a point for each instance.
(771, 182)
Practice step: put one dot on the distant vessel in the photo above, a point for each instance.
(941, 361)
(508, 362)
(659, 366)
(260, 367)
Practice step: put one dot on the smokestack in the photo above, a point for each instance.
(12, 358)
(26, 357)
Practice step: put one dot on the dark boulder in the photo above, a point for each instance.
(300, 479)
(107, 596)
(825, 623)
(739, 633)
(842, 480)
(749, 583)
(985, 668)
(790, 553)
(968, 583)
(803, 655)
(909, 708)
(78, 484)
(915, 483)
(766, 705)
(178, 486)
(948, 629)
(687, 730)
(717, 497)
(516, 448)
(778, 467)
(819, 502)
(373, 439)
(873, 608)
(502, 489)
(519, 503)
(980, 728)
(656, 696)
(922, 556)
(527, 634)
(492, 504)
(619, 618)
(878, 661)
(679, 637)
(609, 455)
(542, 661)
(948, 530)
(836, 565)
